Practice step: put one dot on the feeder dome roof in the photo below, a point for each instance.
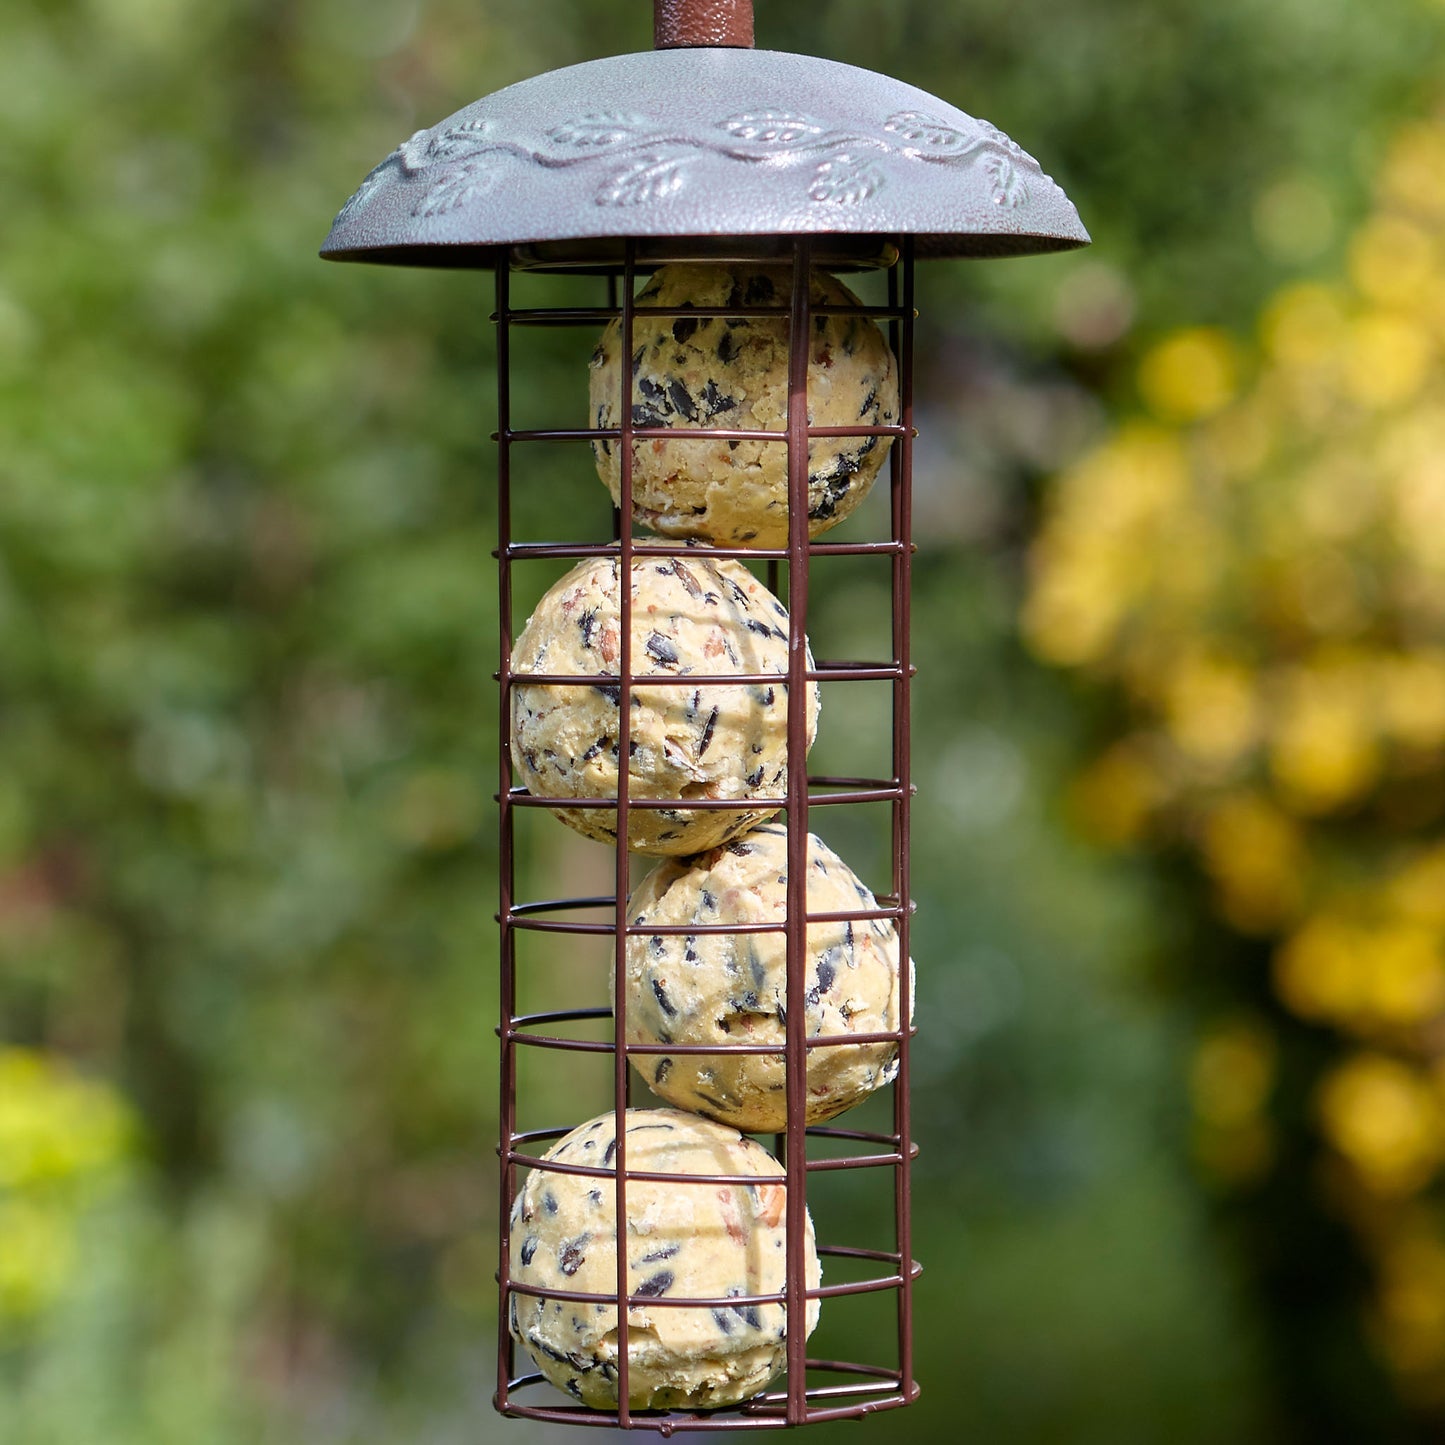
(702, 143)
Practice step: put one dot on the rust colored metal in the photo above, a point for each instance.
(690, 24)
(814, 1389)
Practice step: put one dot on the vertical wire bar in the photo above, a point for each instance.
(617, 514)
(902, 510)
(626, 408)
(624, 760)
(796, 1056)
(507, 1112)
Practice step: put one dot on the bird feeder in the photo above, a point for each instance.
(705, 158)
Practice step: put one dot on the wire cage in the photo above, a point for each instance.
(706, 151)
(816, 1389)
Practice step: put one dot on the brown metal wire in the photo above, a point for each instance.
(861, 1388)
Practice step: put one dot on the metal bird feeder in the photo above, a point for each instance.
(707, 150)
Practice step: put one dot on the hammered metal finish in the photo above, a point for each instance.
(703, 142)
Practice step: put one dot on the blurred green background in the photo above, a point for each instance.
(1179, 728)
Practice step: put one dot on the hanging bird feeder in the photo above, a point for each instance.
(659, 1267)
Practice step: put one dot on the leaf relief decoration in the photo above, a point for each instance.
(364, 191)
(459, 141)
(844, 180)
(771, 127)
(649, 178)
(930, 134)
(647, 162)
(1007, 143)
(604, 128)
(1009, 189)
(456, 188)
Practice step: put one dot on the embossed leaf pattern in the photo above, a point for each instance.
(649, 164)
(648, 179)
(771, 127)
(928, 132)
(363, 192)
(1008, 186)
(604, 128)
(459, 141)
(455, 189)
(1007, 143)
(845, 180)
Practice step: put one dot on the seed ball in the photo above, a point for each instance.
(684, 1240)
(732, 372)
(696, 615)
(732, 988)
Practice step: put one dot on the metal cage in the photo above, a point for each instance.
(858, 1387)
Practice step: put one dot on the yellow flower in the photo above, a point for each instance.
(1076, 604)
(1190, 375)
(1412, 1300)
(1384, 1118)
(60, 1136)
(1413, 177)
(1389, 359)
(1418, 495)
(1390, 974)
(1305, 325)
(1412, 698)
(1230, 1081)
(1406, 974)
(1321, 971)
(1418, 890)
(37, 1256)
(1233, 1072)
(1095, 555)
(55, 1125)
(1323, 749)
(1210, 708)
(1114, 796)
(1391, 260)
(1256, 857)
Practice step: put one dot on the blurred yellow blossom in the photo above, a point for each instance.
(1210, 707)
(54, 1124)
(1412, 698)
(37, 1255)
(1406, 973)
(1305, 324)
(1389, 358)
(1323, 748)
(1412, 1301)
(1230, 1082)
(1189, 375)
(61, 1136)
(1391, 259)
(1233, 1071)
(1413, 178)
(1389, 974)
(1257, 570)
(1088, 571)
(1320, 971)
(1255, 854)
(1418, 890)
(1385, 1120)
(1075, 608)
(1113, 797)
(1238, 440)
